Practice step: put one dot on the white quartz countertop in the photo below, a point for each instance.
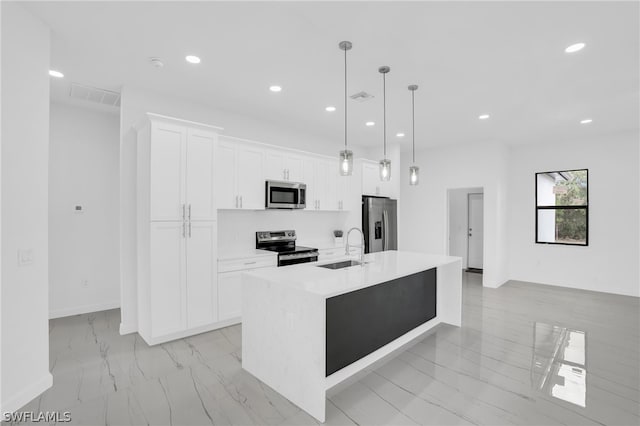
(379, 267)
(244, 254)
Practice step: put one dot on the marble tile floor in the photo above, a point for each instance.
(526, 355)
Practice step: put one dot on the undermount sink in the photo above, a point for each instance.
(340, 265)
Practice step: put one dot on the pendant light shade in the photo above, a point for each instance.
(385, 164)
(414, 175)
(346, 162)
(385, 170)
(414, 171)
(346, 156)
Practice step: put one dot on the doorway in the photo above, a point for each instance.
(475, 237)
(465, 228)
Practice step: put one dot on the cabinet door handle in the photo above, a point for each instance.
(184, 229)
(249, 263)
(183, 211)
(189, 212)
(241, 201)
(189, 229)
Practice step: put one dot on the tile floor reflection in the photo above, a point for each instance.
(558, 366)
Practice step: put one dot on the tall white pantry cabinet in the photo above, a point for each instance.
(176, 228)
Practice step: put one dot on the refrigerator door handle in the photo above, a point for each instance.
(385, 228)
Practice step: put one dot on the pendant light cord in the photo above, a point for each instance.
(345, 99)
(384, 114)
(413, 123)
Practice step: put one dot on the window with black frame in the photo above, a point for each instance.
(562, 207)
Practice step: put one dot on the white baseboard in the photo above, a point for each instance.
(127, 328)
(85, 309)
(19, 399)
(190, 332)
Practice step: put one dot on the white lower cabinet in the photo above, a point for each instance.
(230, 294)
(202, 294)
(336, 253)
(180, 294)
(166, 295)
(230, 283)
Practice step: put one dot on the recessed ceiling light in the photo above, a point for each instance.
(484, 116)
(575, 47)
(56, 74)
(192, 59)
(369, 123)
(330, 108)
(400, 135)
(586, 121)
(275, 88)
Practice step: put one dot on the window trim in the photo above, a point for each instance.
(581, 207)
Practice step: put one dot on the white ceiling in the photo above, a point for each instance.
(504, 59)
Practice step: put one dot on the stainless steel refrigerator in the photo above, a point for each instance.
(380, 224)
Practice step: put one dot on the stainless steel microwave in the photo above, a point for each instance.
(285, 195)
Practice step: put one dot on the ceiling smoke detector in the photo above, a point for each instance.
(361, 96)
(95, 94)
(156, 62)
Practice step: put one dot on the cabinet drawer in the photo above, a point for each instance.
(247, 263)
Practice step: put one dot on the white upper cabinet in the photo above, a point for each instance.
(240, 176)
(226, 171)
(250, 179)
(283, 166)
(326, 189)
(167, 169)
(371, 183)
(200, 167)
(181, 172)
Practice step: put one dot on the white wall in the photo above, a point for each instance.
(459, 222)
(83, 247)
(424, 211)
(237, 229)
(135, 103)
(25, 140)
(610, 262)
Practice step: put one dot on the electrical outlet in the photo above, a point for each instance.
(25, 257)
(85, 283)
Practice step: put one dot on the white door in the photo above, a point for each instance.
(167, 163)
(229, 295)
(201, 273)
(476, 232)
(226, 194)
(251, 182)
(167, 276)
(200, 176)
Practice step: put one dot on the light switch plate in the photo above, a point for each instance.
(25, 257)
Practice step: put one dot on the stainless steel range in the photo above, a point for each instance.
(284, 243)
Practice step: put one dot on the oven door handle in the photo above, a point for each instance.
(298, 255)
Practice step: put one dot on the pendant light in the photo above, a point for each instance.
(346, 156)
(414, 171)
(385, 164)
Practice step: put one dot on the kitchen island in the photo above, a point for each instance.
(307, 328)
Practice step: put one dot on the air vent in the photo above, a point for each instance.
(95, 94)
(361, 96)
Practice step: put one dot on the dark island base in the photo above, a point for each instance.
(362, 321)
